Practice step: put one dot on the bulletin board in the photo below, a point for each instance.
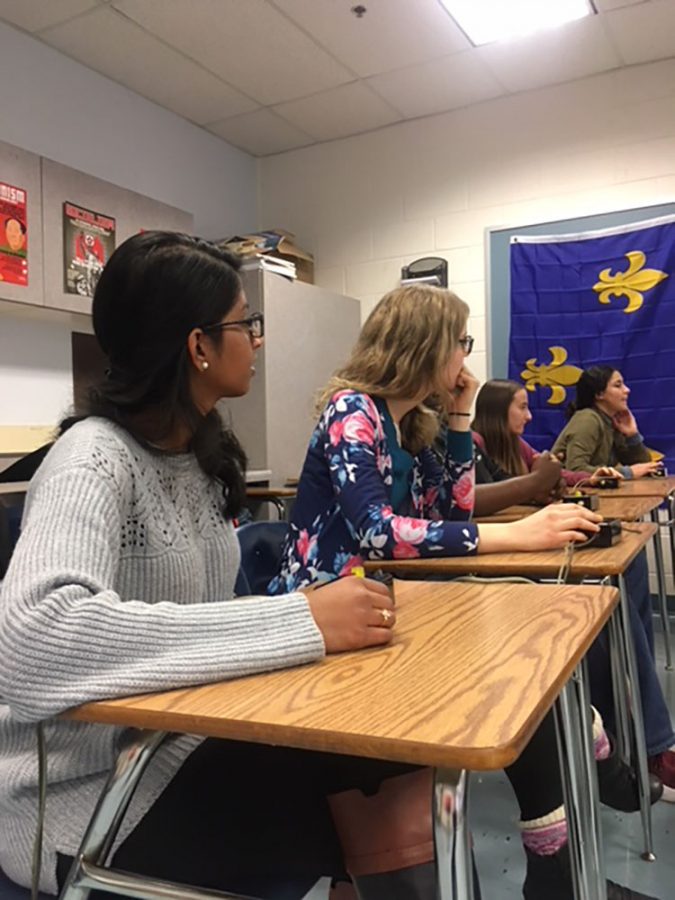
(83, 220)
(20, 226)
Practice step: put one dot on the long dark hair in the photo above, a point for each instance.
(155, 289)
(491, 422)
(592, 382)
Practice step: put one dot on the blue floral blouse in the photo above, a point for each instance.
(361, 496)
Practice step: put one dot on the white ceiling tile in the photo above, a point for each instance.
(390, 34)
(643, 84)
(216, 61)
(348, 109)
(643, 33)
(260, 133)
(574, 50)
(249, 44)
(438, 85)
(606, 5)
(110, 43)
(32, 15)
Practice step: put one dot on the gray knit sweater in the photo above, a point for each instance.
(120, 584)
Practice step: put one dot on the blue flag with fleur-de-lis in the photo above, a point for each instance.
(601, 297)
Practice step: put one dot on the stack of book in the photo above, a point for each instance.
(270, 264)
(273, 251)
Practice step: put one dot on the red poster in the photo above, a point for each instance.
(13, 235)
(88, 241)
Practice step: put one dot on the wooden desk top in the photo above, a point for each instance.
(508, 514)
(253, 476)
(468, 677)
(638, 487)
(13, 487)
(626, 508)
(589, 563)
(270, 493)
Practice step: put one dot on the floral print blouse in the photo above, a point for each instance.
(361, 496)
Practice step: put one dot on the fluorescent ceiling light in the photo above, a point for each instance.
(484, 21)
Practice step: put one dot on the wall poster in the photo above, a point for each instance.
(88, 242)
(13, 235)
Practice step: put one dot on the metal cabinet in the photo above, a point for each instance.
(309, 332)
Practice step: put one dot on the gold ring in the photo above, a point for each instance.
(386, 615)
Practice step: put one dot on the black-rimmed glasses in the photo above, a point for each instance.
(466, 343)
(255, 325)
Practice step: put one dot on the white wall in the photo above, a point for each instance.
(57, 108)
(35, 368)
(369, 204)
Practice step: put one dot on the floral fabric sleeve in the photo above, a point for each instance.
(360, 471)
(446, 489)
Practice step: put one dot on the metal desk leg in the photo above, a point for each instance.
(577, 762)
(671, 539)
(639, 756)
(591, 813)
(661, 583)
(88, 871)
(451, 834)
(138, 748)
(619, 668)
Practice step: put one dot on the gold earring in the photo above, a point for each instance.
(205, 366)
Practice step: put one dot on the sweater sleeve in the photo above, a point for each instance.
(529, 455)
(631, 450)
(571, 478)
(67, 637)
(358, 472)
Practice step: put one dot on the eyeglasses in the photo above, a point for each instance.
(466, 343)
(255, 325)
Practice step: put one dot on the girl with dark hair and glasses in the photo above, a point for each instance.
(122, 583)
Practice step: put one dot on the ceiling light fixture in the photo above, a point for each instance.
(485, 21)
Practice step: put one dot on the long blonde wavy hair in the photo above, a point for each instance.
(402, 351)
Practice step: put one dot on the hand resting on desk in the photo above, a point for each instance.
(640, 470)
(605, 472)
(352, 613)
(549, 529)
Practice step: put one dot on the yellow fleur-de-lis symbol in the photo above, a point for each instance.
(632, 283)
(555, 375)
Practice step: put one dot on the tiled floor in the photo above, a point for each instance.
(499, 854)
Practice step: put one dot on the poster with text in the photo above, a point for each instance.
(88, 241)
(13, 235)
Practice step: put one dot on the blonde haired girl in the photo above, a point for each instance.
(371, 487)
